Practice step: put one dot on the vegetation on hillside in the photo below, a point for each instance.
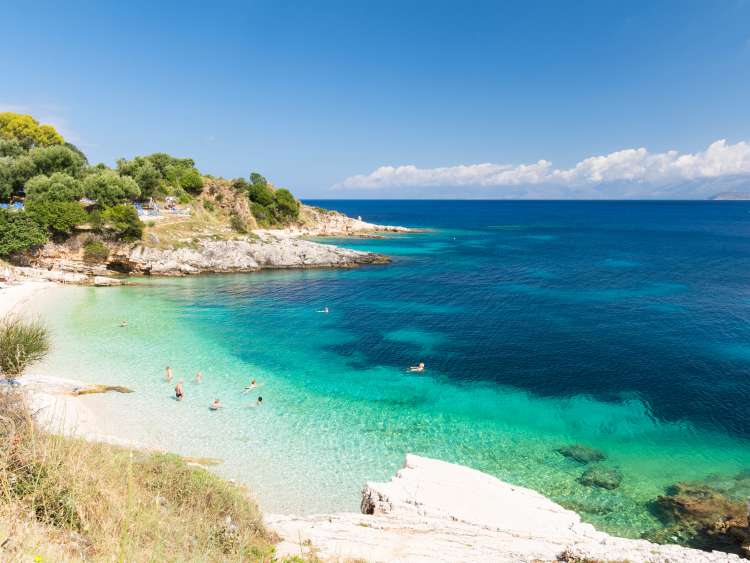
(63, 192)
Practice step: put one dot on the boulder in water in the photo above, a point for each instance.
(581, 453)
(704, 517)
(601, 476)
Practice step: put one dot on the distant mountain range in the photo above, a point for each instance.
(731, 196)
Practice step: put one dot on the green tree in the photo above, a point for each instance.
(58, 158)
(143, 171)
(19, 232)
(285, 205)
(27, 131)
(191, 181)
(59, 217)
(258, 179)
(11, 147)
(261, 194)
(57, 187)
(108, 188)
(122, 222)
(14, 173)
(163, 162)
(76, 150)
(263, 215)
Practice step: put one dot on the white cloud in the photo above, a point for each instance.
(634, 166)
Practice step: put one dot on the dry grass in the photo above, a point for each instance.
(63, 499)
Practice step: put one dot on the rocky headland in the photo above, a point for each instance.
(180, 246)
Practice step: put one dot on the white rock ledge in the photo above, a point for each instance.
(438, 511)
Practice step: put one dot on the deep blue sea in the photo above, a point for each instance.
(624, 326)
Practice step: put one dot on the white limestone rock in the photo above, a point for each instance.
(438, 511)
(245, 255)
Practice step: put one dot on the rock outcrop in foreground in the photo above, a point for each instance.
(438, 511)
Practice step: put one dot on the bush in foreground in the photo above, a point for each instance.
(22, 343)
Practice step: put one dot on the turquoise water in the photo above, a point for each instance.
(620, 326)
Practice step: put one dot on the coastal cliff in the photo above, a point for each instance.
(437, 511)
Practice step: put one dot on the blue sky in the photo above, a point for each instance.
(401, 99)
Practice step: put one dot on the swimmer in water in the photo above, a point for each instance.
(198, 377)
(250, 386)
(324, 310)
(418, 368)
(168, 374)
(216, 405)
(178, 394)
(124, 324)
(259, 402)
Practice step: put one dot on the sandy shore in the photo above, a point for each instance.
(52, 400)
(14, 296)
(57, 408)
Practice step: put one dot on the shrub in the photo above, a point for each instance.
(184, 198)
(95, 251)
(19, 232)
(108, 188)
(263, 216)
(240, 185)
(208, 205)
(238, 223)
(59, 217)
(122, 222)
(260, 193)
(257, 179)
(22, 343)
(286, 206)
(58, 187)
(191, 181)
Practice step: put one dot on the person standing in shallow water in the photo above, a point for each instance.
(168, 374)
(178, 391)
(198, 377)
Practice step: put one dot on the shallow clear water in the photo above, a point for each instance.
(623, 326)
